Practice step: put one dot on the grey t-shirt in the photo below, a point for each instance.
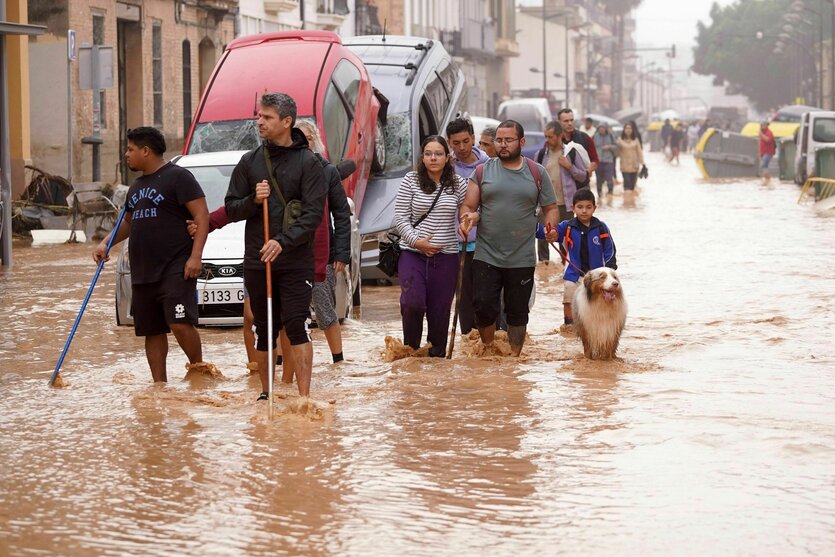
(507, 227)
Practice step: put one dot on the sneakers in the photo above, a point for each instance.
(263, 396)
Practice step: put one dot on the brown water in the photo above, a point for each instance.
(714, 435)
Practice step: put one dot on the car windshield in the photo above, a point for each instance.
(824, 130)
(228, 135)
(525, 114)
(214, 180)
(787, 117)
(398, 144)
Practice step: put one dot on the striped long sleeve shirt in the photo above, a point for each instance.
(441, 223)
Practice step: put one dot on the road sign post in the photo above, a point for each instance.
(95, 71)
(71, 56)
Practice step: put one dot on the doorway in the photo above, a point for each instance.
(129, 52)
(207, 61)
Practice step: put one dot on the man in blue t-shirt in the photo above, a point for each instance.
(164, 259)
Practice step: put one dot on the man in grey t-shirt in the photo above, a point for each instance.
(507, 197)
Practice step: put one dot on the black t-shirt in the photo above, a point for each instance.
(159, 240)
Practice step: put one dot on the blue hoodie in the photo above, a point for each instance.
(600, 247)
(465, 170)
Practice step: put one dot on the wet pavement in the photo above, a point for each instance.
(714, 434)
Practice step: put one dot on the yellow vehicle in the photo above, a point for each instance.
(779, 129)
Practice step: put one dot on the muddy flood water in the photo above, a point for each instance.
(715, 434)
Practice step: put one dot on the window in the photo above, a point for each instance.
(98, 39)
(337, 124)
(186, 86)
(347, 78)
(426, 121)
(156, 54)
(437, 100)
(824, 131)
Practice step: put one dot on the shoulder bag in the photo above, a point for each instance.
(390, 250)
(293, 209)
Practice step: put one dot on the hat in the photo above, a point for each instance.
(764, 123)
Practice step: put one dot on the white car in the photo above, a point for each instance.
(481, 122)
(220, 286)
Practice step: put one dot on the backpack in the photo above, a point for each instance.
(537, 178)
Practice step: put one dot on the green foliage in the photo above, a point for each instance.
(619, 7)
(729, 49)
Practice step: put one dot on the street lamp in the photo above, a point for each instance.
(794, 16)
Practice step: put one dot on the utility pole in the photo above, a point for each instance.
(544, 49)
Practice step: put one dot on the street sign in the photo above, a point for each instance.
(71, 55)
(100, 77)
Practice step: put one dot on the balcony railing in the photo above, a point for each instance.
(478, 37)
(278, 6)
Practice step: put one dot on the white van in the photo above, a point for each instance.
(533, 114)
(817, 129)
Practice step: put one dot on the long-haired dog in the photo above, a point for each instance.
(599, 311)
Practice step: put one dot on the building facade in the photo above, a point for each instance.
(480, 35)
(163, 55)
(574, 42)
(265, 16)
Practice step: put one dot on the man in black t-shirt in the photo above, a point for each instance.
(164, 260)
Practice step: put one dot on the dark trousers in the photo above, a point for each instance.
(629, 180)
(493, 284)
(605, 173)
(466, 316)
(427, 287)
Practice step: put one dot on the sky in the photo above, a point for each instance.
(664, 22)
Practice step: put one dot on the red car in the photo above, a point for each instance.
(328, 82)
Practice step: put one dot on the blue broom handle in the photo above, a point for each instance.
(87, 297)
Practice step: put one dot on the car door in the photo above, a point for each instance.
(802, 144)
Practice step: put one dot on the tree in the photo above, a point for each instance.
(618, 9)
(738, 49)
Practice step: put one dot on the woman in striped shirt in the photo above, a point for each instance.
(429, 197)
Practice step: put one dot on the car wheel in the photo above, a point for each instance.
(378, 163)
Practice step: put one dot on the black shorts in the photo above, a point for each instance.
(292, 293)
(155, 305)
(488, 282)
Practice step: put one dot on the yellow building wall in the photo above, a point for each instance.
(18, 76)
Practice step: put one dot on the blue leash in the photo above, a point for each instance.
(86, 298)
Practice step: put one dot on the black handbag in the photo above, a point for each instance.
(389, 256)
(644, 173)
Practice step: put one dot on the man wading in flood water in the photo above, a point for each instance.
(282, 161)
(507, 194)
(164, 260)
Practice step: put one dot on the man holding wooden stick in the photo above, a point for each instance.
(286, 175)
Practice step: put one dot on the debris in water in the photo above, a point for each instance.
(396, 350)
(203, 369)
(473, 347)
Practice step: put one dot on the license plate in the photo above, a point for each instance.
(222, 296)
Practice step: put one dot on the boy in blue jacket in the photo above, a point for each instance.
(588, 243)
